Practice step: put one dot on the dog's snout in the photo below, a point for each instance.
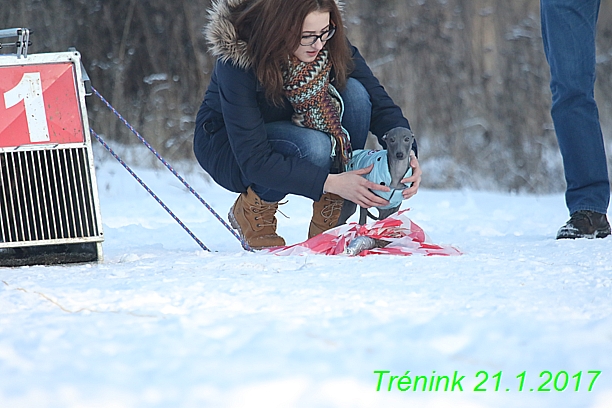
(399, 155)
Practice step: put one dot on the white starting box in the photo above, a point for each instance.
(49, 208)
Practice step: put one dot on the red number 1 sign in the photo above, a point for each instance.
(38, 104)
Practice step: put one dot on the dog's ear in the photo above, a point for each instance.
(385, 136)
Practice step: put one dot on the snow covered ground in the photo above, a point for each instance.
(161, 323)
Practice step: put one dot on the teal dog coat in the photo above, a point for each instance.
(379, 174)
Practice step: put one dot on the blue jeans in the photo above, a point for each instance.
(568, 32)
(313, 145)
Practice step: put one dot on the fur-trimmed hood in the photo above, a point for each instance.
(221, 34)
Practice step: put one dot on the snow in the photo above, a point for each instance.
(155, 77)
(162, 323)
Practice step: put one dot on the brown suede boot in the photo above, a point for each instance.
(325, 213)
(255, 221)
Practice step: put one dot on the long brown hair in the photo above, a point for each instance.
(272, 30)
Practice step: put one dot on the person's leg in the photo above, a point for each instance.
(357, 112)
(315, 146)
(291, 140)
(568, 32)
(253, 213)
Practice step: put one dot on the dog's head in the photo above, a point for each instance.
(399, 143)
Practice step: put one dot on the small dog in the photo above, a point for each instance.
(390, 167)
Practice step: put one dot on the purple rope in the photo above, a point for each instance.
(245, 245)
(107, 147)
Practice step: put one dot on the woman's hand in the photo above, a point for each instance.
(415, 178)
(353, 187)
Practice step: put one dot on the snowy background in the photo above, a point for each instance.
(161, 323)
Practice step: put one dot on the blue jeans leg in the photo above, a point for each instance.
(568, 32)
(291, 140)
(357, 112)
(313, 145)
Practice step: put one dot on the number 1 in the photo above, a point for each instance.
(522, 377)
(29, 90)
(498, 377)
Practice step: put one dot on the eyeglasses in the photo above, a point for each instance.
(324, 36)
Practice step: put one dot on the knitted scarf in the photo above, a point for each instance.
(316, 102)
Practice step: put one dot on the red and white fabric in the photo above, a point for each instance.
(406, 238)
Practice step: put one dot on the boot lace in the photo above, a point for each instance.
(266, 213)
(334, 205)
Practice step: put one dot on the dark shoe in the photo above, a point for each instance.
(255, 220)
(585, 224)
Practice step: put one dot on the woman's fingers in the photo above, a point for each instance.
(364, 170)
(414, 180)
(352, 186)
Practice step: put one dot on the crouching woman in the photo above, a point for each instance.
(288, 100)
